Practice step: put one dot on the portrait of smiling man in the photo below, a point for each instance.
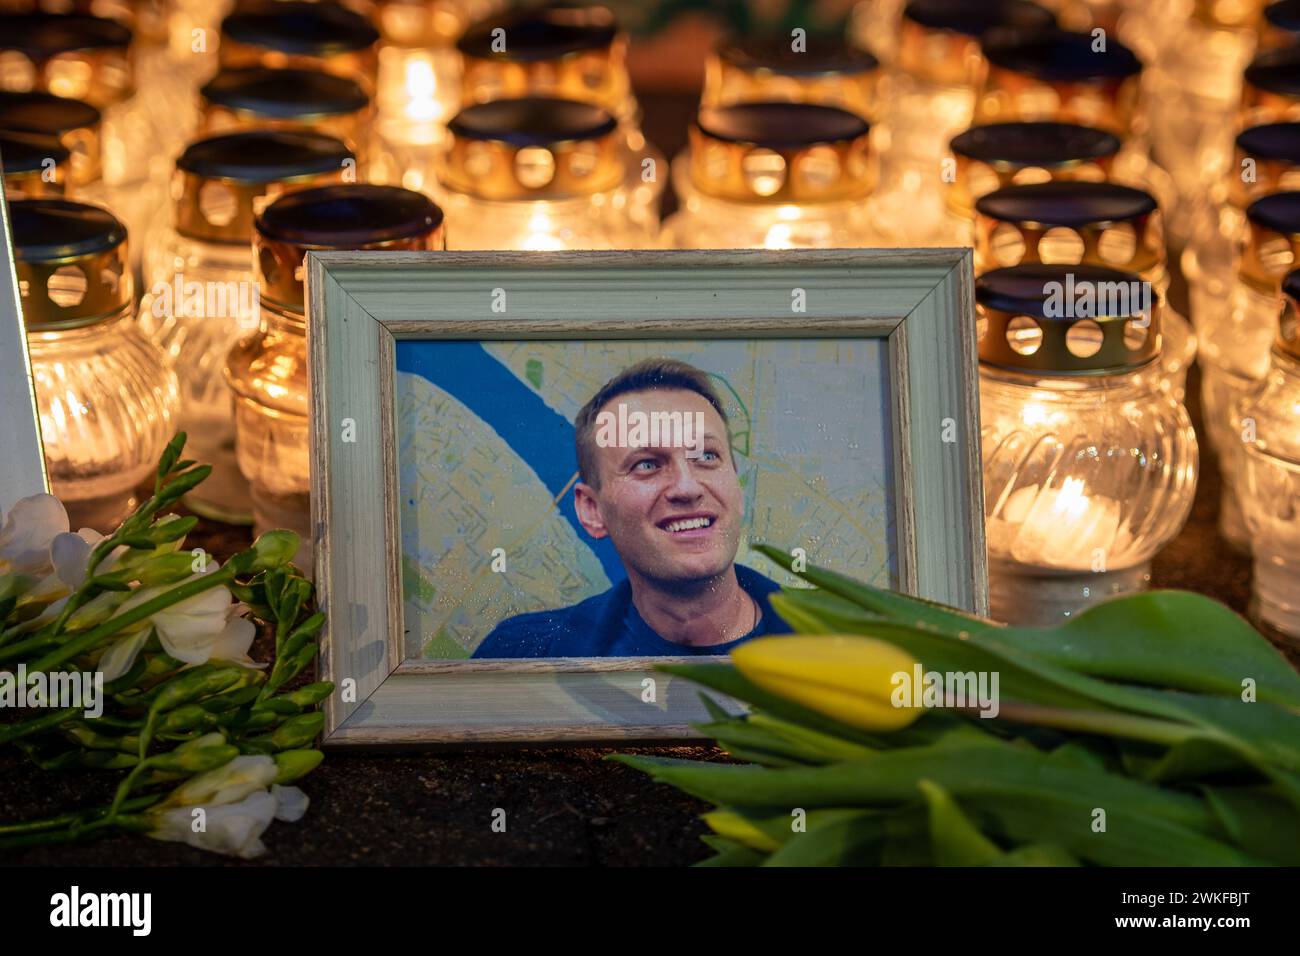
(669, 500)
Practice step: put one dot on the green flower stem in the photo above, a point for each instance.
(1104, 723)
(35, 725)
(97, 635)
(76, 817)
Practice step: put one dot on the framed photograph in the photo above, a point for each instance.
(22, 466)
(535, 477)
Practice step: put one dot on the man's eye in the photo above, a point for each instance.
(645, 461)
(710, 456)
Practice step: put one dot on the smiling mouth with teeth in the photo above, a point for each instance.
(688, 524)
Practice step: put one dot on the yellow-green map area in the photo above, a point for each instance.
(486, 462)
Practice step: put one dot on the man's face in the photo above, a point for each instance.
(672, 518)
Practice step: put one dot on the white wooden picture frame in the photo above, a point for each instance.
(360, 303)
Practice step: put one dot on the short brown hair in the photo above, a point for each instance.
(647, 375)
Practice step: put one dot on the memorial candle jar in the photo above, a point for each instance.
(35, 164)
(90, 58)
(301, 35)
(1236, 333)
(267, 371)
(776, 176)
(989, 157)
(105, 394)
(288, 99)
(76, 125)
(1194, 90)
(419, 82)
(536, 174)
(201, 294)
(1089, 468)
(938, 69)
(1269, 422)
(1103, 224)
(566, 52)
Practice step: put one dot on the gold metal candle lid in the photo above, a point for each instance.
(827, 70)
(995, 155)
(567, 52)
(531, 148)
(35, 164)
(71, 260)
(1272, 240)
(1102, 224)
(289, 99)
(223, 181)
(780, 153)
(81, 57)
(1271, 91)
(74, 123)
(1066, 320)
(1053, 74)
(301, 35)
(939, 39)
(357, 216)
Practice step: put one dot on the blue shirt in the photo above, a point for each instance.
(609, 625)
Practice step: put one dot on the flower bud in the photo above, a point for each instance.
(293, 764)
(850, 679)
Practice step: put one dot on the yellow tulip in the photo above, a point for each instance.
(848, 678)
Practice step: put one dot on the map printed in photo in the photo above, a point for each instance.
(486, 461)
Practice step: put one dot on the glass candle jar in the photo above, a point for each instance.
(989, 157)
(536, 174)
(1103, 224)
(775, 176)
(1269, 421)
(419, 82)
(201, 293)
(288, 99)
(1193, 92)
(300, 35)
(567, 52)
(35, 164)
(91, 59)
(1236, 332)
(1089, 468)
(267, 371)
(938, 69)
(1271, 88)
(824, 69)
(75, 124)
(105, 394)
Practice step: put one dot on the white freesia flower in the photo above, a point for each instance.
(70, 558)
(28, 532)
(189, 629)
(237, 807)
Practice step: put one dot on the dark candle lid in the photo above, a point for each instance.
(284, 93)
(45, 112)
(1043, 144)
(264, 156)
(291, 26)
(1058, 56)
(341, 217)
(781, 126)
(545, 33)
(532, 121)
(823, 54)
(1072, 204)
(25, 152)
(974, 17)
(41, 36)
(45, 230)
(1284, 15)
(1271, 141)
(1277, 71)
(1279, 212)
